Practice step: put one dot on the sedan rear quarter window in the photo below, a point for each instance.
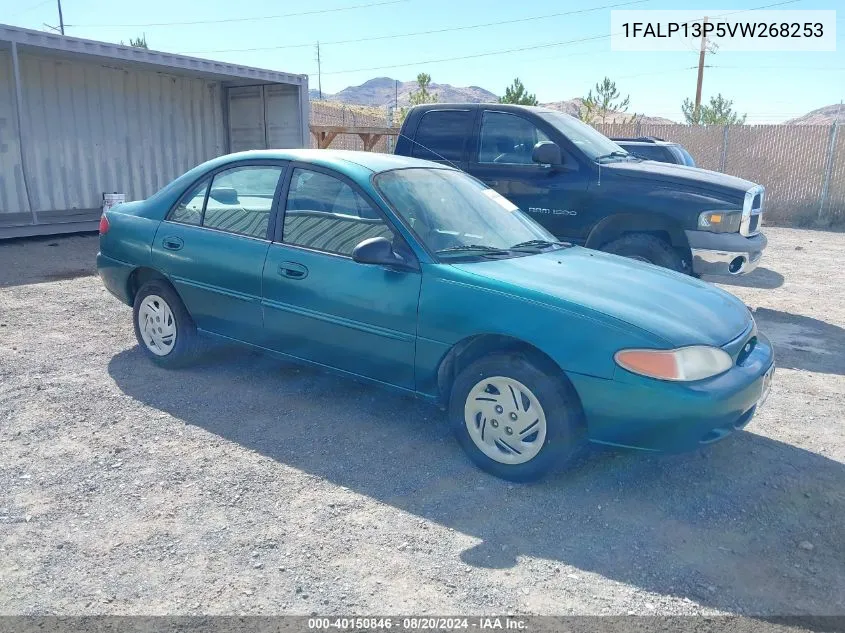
(190, 206)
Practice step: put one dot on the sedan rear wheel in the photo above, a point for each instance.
(164, 329)
(513, 419)
(157, 325)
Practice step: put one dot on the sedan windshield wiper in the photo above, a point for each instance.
(614, 154)
(469, 249)
(538, 244)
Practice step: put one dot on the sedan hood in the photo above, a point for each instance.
(680, 176)
(679, 309)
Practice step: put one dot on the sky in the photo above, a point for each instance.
(769, 87)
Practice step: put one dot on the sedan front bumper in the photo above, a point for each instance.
(635, 412)
(725, 253)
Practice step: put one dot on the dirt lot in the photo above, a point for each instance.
(246, 485)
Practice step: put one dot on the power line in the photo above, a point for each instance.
(252, 19)
(525, 48)
(473, 56)
(27, 10)
(656, 72)
(835, 69)
(416, 33)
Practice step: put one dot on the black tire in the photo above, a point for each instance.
(649, 248)
(559, 403)
(187, 344)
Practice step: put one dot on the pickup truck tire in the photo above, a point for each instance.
(513, 419)
(646, 248)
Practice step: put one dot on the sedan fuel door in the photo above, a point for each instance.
(319, 304)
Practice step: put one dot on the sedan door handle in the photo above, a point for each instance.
(292, 270)
(172, 243)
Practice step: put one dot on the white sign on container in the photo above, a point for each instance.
(112, 199)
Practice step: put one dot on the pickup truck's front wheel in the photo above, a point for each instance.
(646, 248)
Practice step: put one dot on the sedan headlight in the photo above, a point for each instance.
(720, 221)
(684, 364)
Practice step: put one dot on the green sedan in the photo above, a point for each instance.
(417, 277)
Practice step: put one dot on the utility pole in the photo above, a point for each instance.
(61, 18)
(702, 52)
(319, 73)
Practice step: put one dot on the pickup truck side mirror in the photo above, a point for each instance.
(379, 250)
(547, 153)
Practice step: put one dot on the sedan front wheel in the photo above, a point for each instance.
(513, 419)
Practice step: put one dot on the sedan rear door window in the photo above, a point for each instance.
(240, 200)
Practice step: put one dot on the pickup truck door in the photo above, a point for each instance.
(556, 198)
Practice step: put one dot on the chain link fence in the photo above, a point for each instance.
(801, 166)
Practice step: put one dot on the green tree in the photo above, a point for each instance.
(718, 112)
(420, 95)
(607, 99)
(516, 93)
(137, 42)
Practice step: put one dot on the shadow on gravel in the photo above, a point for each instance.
(759, 278)
(803, 342)
(725, 526)
(43, 259)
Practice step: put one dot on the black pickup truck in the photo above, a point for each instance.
(586, 189)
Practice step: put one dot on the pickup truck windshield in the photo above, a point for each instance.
(455, 215)
(590, 141)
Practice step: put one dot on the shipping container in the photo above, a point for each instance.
(80, 119)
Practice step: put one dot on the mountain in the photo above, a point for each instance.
(821, 116)
(383, 91)
(573, 106)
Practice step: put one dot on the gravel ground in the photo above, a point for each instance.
(246, 485)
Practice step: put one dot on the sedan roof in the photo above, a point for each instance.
(337, 158)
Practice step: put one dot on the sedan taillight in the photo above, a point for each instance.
(104, 224)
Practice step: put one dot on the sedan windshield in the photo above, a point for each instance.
(455, 215)
(586, 138)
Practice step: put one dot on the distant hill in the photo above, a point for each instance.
(573, 106)
(821, 116)
(383, 91)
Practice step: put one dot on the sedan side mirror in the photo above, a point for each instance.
(379, 250)
(547, 153)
